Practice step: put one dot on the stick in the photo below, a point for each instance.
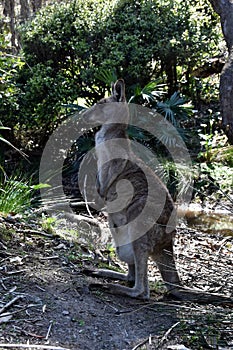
(16, 272)
(49, 329)
(10, 303)
(168, 332)
(78, 218)
(34, 232)
(142, 343)
(50, 257)
(85, 197)
(78, 204)
(222, 244)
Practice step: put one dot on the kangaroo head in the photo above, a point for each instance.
(118, 90)
(117, 93)
(106, 111)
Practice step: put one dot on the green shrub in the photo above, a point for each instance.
(144, 39)
(66, 48)
(214, 182)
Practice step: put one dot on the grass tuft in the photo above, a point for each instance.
(17, 196)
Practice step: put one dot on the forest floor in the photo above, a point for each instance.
(46, 303)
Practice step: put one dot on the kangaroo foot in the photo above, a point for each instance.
(121, 290)
(104, 273)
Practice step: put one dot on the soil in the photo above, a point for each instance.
(45, 299)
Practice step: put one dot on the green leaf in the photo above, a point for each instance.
(40, 186)
(106, 76)
(4, 128)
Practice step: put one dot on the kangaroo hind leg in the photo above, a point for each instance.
(139, 272)
(167, 267)
(141, 287)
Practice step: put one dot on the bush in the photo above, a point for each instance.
(67, 46)
(143, 39)
(57, 46)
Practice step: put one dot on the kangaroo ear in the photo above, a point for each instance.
(112, 88)
(119, 90)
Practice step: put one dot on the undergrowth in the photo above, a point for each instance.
(18, 195)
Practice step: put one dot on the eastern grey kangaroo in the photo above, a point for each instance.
(157, 242)
(121, 181)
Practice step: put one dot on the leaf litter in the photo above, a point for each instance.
(45, 301)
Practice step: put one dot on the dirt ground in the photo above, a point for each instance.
(46, 303)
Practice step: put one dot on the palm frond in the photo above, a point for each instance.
(153, 89)
(175, 108)
(150, 92)
(106, 76)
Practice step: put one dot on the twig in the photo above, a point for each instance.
(11, 302)
(50, 257)
(16, 272)
(40, 288)
(78, 218)
(85, 197)
(219, 188)
(34, 232)
(142, 343)
(222, 243)
(30, 346)
(22, 309)
(49, 329)
(164, 338)
(33, 335)
(3, 246)
(3, 285)
(150, 307)
(74, 203)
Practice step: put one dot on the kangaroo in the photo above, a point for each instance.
(124, 187)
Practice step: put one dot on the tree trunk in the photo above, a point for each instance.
(9, 11)
(36, 5)
(24, 10)
(170, 70)
(224, 8)
(226, 96)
